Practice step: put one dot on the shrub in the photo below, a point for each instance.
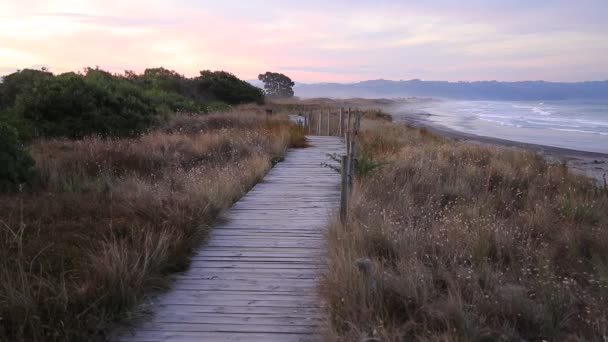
(15, 161)
(228, 88)
(72, 105)
(16, 82)
(164, 101)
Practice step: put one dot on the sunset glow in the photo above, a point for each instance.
(315, 40)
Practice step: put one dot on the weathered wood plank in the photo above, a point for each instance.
(291, 320)
(175, 326)
(156, 336)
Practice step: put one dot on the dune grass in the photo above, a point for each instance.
(452, 241)
(109, 219)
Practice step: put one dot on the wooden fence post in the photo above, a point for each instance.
(319, 123)
(328, 124)
(340, 125)
(348, 124)
(309, 117)
(353, 143)
(344, 190)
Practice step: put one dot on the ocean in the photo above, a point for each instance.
(577, 125)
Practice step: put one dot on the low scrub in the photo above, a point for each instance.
(108, 219)
(451, 241)
(15, 162)
(74, 105)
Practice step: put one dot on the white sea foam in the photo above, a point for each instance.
(502, 123)
(581, 125)
(595, 123)
(541, 111)
(578, 131)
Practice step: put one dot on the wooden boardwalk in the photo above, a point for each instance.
(257, 277)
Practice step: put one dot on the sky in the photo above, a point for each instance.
(314, 40)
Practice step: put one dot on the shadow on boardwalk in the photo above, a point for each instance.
(257, 277)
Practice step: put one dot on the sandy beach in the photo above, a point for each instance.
(592, 164)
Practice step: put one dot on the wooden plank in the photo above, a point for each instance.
(232, 309)
(292, 320)
(255, 252)
(183, 336)
(239, 264)
(215, 327)
(247, 297)
(241, 287)
(274, 260)
(253, 273)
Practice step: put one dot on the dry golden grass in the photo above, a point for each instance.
(109, 218)
(457, 242)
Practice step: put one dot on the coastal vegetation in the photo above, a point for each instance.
(73, 105)
(451, 241)
(105, 220)
(277, 85)
(107, 183)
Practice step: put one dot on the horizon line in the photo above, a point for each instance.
(41, 67)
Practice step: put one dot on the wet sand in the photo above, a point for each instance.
(592, 164)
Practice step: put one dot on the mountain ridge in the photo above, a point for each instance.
(464, 90)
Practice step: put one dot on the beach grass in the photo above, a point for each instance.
(108, 219)
(452, 241)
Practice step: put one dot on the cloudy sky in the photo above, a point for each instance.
(314, 40)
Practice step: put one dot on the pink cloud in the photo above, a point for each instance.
(308, 41)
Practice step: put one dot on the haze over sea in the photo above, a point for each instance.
(573, 124)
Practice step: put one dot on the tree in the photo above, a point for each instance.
(16, 82)
(15, 161)
(226, 87)
(276, 84)
(73, 106)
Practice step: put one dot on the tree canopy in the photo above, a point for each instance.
(16, 82)
(15, 162)
(38, 103)
(228, 88)
(277, 84)
(72, 105)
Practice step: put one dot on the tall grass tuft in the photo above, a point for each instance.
(108, 219)
(463, 242)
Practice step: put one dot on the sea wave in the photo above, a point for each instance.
(502, 123)
(535, 109)
(596, 123)
(578, 131)
(541, 111)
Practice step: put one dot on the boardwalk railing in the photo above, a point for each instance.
(340, 122)
(349, 162)
(327, 122)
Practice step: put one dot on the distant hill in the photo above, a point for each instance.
(483, 90)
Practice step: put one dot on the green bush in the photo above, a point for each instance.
(228, 88)
(164, 101)
(23, 127)
(12, 85)
(74, 106)
(15, 162)
(162, 79)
